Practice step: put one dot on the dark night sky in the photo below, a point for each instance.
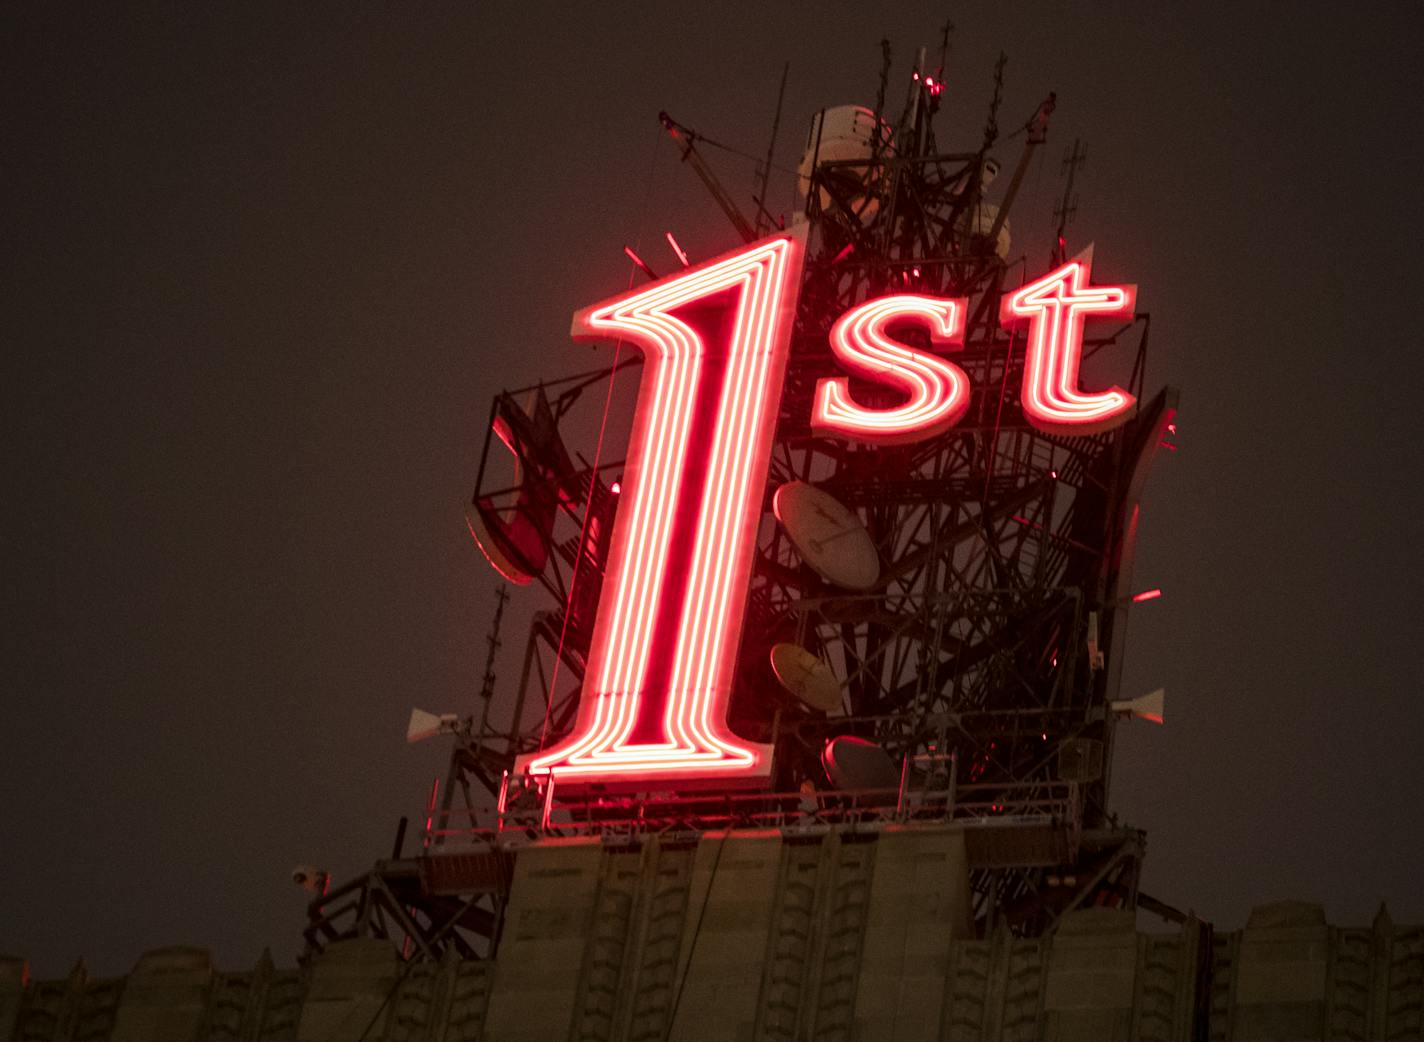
(263, 274)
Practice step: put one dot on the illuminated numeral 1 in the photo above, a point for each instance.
(660, 668)
(938, 390)
(1055, 308)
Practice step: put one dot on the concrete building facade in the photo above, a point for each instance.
(763, 936)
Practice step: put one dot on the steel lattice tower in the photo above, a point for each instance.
(984, 662)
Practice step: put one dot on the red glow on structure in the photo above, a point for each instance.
(1146, 595)
(682, 256)
(639, 263)
(487, 541)
(698, 457)
(500, 426)
(430, 811)
(1055, 308)
(938, 390)
(499, 563)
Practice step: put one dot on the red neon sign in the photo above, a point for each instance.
(716, 338)
(1055, 308)
(938, 390)
(659, 674)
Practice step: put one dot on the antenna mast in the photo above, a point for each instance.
(1069, 205)
(687, 138)
(763, 221)
(1037, 128)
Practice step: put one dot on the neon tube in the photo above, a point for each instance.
(938, 390)
(700, 448)
(1055, 308)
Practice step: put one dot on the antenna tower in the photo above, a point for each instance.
(983, 664)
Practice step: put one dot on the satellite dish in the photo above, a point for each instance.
(515, 537)
(828, 536)
(806, 677)
(855, 763)
(514, 548)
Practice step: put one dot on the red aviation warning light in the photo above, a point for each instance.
(660, 666)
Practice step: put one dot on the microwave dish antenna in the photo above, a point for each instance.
(830, 538)
(806, 676)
